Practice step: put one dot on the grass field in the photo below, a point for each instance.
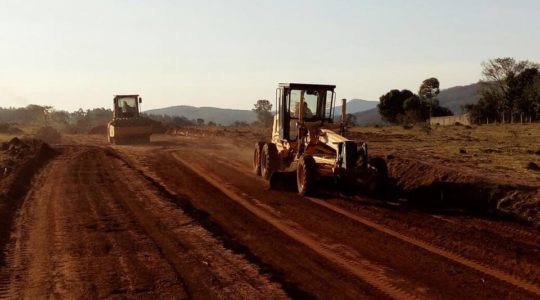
(502, 152)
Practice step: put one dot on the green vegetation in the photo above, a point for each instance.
(509, 91)
(398, 107)
(80, 121)
(263, 109)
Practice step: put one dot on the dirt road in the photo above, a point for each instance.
(185, 218)
(91, 227)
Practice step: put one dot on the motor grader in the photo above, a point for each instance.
(306, 140)
(127, 125)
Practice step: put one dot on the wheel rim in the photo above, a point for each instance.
(256, 159)
(263, 163)
(300, 177)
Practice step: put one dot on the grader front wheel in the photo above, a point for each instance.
(306, 175)
(269, 160)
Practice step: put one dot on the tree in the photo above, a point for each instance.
(263, 109)
(200, 122)
(532, 92)
(391, 105)
(497, 74)
(415, 109)
(519, 89)
(429, 89)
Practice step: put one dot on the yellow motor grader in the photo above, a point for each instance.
(306, 140)
(128, 126)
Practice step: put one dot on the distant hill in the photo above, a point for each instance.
(454, 98)
(221, 116)
(356, 106)
(229, 116)
(369, 117)
(366, 112)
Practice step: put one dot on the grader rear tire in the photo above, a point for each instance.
(306, 175)
(269, 160)
(257, 158)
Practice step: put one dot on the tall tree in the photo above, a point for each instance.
(263, 109)
(519, 87)
(429, 90)
(415, 109)
(496, 75)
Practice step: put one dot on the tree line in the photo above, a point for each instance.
(84, 121)
(405, 107)
(509, 91)
(71, 122)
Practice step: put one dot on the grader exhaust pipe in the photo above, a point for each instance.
(343, 116)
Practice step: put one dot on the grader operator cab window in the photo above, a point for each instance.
(318, 106)
(311, 100)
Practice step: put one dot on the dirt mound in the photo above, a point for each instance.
(20, 159)
(48, 134)
(437, 186)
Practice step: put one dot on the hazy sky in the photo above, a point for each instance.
(73, 54)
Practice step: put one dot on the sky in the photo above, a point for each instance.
(78, 54)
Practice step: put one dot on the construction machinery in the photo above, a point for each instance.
(306, 140)
(127, 125)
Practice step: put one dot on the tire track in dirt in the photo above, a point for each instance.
(518, 282)
(364, 270)
(423, 244)
(225, 274)
(509, 231)
(91, 228)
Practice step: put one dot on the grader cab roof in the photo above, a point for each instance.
(307, 86)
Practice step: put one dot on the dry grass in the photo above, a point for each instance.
(491, 150)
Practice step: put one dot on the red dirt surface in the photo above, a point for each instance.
(184, 217)
(20, 159)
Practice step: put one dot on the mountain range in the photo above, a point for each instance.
(365, 111)
(223, 116)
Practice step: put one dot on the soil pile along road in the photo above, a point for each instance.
(19, 160)
(481, 169)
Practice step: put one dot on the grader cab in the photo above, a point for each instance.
(306, 140)
(128, 126)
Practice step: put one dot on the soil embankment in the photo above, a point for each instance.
(19, 161)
